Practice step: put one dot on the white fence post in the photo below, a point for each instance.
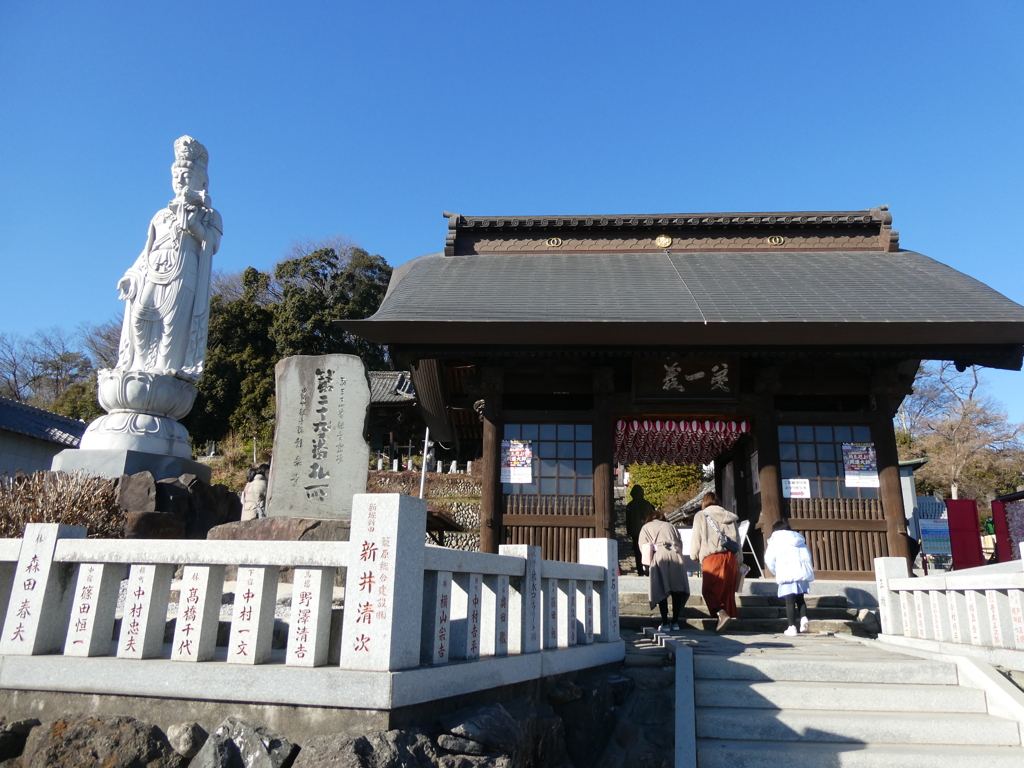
(940, 615)
(93, 609)
(436, 638)
(40, 601)
(605, 553)
(494, 614)
(195, 629)
(549, 590)
(889, 606)
(567, 629)
(384, 583)
(1016, 600)
(999, 618)
(524, 600)
(145, 611)
(252, 621)
(309, 633)
(585, 612)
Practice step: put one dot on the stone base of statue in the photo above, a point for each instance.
(140, 431)
(114, 463)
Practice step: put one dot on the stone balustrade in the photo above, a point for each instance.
(419, 623)
(981, 606)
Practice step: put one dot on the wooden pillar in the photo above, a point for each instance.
(766, 425)
(490, 492)
(890, 490)
(604, 473)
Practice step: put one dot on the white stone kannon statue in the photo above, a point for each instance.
(167, 309)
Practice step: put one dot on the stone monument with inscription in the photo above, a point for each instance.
(321, 457)
(163, 337)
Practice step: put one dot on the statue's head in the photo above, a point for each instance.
(188, 173)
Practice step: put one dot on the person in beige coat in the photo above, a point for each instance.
(718, 565)
(254, 495)
(667, 568)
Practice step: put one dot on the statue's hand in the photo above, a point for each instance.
(126, 288)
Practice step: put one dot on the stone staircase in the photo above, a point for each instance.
(757, 613)
(824, 702)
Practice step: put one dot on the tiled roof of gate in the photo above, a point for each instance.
(391, 388)
(692, 287)
(43, 425)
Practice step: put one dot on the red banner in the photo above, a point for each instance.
(657, 441)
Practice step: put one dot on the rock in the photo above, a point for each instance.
(589, 722)
(626, 735)
(621, 687)
(663, 735)
(153, 525)
(654, 708)
(492, 727)
(282, 529)
(227, 504)
(136, 493)
(460, 745)
(91, 740)
(187, 738)
(390, 749)
(172, 496)
(563, 691)
(543, 731)
(13, 736)
(241, 744)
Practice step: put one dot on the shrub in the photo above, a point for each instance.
(57, 497)
(663, 484)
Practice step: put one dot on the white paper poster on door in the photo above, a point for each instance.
(860, 465)
(516, 461)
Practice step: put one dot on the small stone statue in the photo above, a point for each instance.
(167, 290)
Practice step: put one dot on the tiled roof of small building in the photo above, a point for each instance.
(391, 388)
(40, 424)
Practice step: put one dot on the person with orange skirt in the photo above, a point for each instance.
(714, 543)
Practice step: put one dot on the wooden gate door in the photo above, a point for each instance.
(844, 535)
(554, 523)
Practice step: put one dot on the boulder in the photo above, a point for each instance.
(13, 735)
(136, 493)
(491, 728)
(389, 749)
(589, 722)
(282, 529)
(91, 740)
(172, 496)
(227, 504)
(187, 738)
(241, 744)
(153, 525)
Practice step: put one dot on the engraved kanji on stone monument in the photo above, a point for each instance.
(320, 455)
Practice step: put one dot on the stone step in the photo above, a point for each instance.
(744, 754)
(806, 668)
(748, 724)
(868, 697)
(696, 600)
(763, 626)
(746, 612)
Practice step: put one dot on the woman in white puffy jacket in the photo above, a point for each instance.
(788, 557)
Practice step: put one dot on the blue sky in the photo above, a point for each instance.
(369, 119)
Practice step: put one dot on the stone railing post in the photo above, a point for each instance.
(40, 601)
(605, 553)
(384, 583)
(524, 607)
(889, 608)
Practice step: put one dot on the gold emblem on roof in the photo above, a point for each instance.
(663, 241)
(776, 240)
(554, 242)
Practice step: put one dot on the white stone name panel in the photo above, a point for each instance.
(93, 609)
(36, 610)
(385, 583)
(525, 603)
(567, 629)
(494, 627)
(144, 618)
(195, 630)
(309, 633)
(252, 621)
